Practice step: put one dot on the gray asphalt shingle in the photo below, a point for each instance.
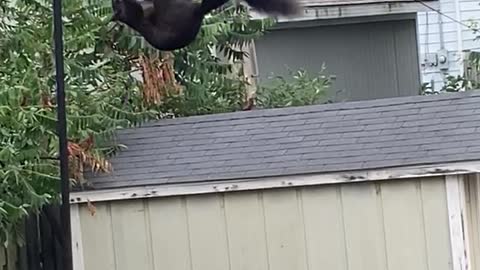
(311, 139)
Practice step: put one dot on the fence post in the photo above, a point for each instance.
(3, 260)
(32, 242)
(12, 257)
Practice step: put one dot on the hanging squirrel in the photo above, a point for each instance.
(173, 24)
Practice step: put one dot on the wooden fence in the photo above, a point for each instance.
(43, 244)
(8, 258)
(13, 258)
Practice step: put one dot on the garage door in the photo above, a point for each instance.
(370, 60)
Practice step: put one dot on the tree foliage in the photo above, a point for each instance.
(304, 89)
(207, 67)
(113, 80)
(97, 77)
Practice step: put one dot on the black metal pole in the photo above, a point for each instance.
(62, 133)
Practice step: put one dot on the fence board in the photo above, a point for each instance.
(22, 258)
(42, 249)
(206, 224)
(323, 215)
(9, 258)
(245, 224)
(403, 199)
(168, 220)
(435, 212)
(12, 258)
(364, 230)
(3, 260)
(47, 243)
(132, 249)
(31, 234)
(97, 259)
(284, 232)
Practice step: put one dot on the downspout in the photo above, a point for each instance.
(440, 28)
(443, 71)
(458, 15)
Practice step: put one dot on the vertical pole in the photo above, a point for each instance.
(62, 133)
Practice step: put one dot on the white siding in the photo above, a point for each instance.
(430, 39)
(401, 224)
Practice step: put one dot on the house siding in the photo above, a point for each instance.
(429, 33)
(365, 226)
(370, 60)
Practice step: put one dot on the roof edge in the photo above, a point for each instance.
(338, 106)
(167, 190)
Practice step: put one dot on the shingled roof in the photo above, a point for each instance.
(338, 137)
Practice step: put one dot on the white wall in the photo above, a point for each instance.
(430, 36)
(377, 225)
